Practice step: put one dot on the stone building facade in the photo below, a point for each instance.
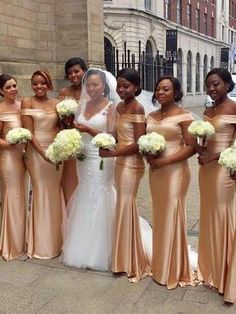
(43, 34)
(145, 23)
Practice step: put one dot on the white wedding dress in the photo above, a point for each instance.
(89, 231)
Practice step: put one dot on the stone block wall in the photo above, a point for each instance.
(43, 34)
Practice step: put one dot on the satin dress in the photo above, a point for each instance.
(217, 210)
(128, 252)
(169, 185)
(69, 178)
(46, 216)
(230, 287)
(12, 173)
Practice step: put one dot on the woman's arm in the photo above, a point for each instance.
(184, 153)
(27, 122)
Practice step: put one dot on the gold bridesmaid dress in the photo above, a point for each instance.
(217, 210)
(12, 173)
(169, 184)
(230, 288)
(46, 216)
(128, 253)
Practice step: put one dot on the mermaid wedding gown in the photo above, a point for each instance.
(89, 232)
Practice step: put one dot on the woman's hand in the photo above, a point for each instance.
(233, 176)
(19, 147)
(206, 157)
(156, 162)
(106, 153)
(81, 127)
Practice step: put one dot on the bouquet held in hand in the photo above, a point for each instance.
(202, 130)
(228, 159)
(151, 143)
(105, 141)
(66, 110)
(18, 136)
(66, 145)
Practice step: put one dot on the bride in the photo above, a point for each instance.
(88, 240)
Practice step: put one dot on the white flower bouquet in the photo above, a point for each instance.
(228, 159)
(105, 141)
(66, 145)
(151, 143)
(66, 108)
(202, 130)
(18, 136)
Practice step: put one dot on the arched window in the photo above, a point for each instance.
(149, 81)
(197, 82)
(205, 70)
(189, 72)
(109, 55)
(212, 63)
(180, 65)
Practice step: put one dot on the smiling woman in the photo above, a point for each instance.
(39, 115)
(74, 71)
(217, 210)
(12, 172)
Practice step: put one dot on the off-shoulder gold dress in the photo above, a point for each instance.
(12, 172)
(128, 252)
(45, 222)
(217, 210)
(169, 184)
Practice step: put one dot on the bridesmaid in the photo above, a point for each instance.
(169, 178)
(230, 289)
(128, 252)
(12, 172)
(39, 115)
(74, 71)
(217, 189)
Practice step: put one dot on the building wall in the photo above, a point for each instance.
(45, 33)
(134, 25)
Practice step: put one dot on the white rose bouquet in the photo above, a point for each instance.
(66, 145)
(228, 159)
(202, 130)
(151, 143)
(19, 136)
(105, 141)
(66, 110)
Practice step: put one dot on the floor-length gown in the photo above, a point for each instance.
(45, 221)
(69, 180)
(169, 184)
(12, 173)
(88, 242)
(128, 255)
(217, 210)
(230, 287)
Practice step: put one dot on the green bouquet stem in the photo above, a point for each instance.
(101, 166)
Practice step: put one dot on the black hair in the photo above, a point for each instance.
(74, 61)
(178, 93)
(133, 76)
(102, 75)
(224, 75)
(4, 78)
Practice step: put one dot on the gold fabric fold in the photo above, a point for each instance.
(217, 210)
(169, 184)
(13, 203)
(46, 215)
(128, 253)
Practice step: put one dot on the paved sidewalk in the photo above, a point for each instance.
(46, 286)
(38, 286)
